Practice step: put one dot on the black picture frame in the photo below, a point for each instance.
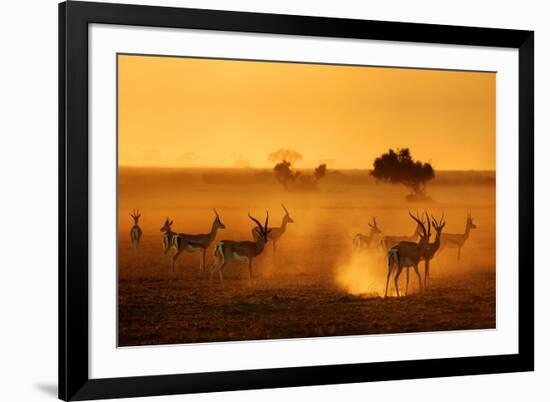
(74, 381)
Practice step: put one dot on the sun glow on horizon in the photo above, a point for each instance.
(190, 112)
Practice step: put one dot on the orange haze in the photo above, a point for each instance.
(187, 112)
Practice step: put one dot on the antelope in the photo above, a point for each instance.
(433, 248)
(361, 241)
(135, 231)
(168, 235)
(430, 251)
(195, 242)
(276, 233)
(406, 254)
(457, 240)
(228, 251)
(386, 242)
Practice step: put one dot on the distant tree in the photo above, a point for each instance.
(400, 168)
(284, 173)
(320, 172)
(296, 181)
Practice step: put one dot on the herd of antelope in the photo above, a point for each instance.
(402, 252)
(225, 251)
(408, 251)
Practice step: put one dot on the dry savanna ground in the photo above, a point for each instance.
(314, 285)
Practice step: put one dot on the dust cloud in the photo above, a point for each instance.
(320, 240)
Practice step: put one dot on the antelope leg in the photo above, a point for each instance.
(419, 277)
(174, 257)
(407, 286)
(390, 269)
(387, 282)
(250, 271)
(220, 271)
(214, 266)
(203, 261)
(426, 273)
(396, 280)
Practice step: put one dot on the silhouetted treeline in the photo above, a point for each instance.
(292, 180)
(149, 178)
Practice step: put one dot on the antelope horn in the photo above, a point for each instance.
(429, 226)
(266, 219)
(255, 220)
(283, 205)
(216, 212)
(435, 222)
(419, 222)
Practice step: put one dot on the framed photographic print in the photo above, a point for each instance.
(256, 200)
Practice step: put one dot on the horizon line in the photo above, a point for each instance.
(271, 167)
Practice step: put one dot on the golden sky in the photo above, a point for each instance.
(184, 112)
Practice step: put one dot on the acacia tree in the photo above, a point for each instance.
(284, 173)
(400, 168)
(320, 172)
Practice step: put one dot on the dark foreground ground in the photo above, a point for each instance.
(187, 309)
